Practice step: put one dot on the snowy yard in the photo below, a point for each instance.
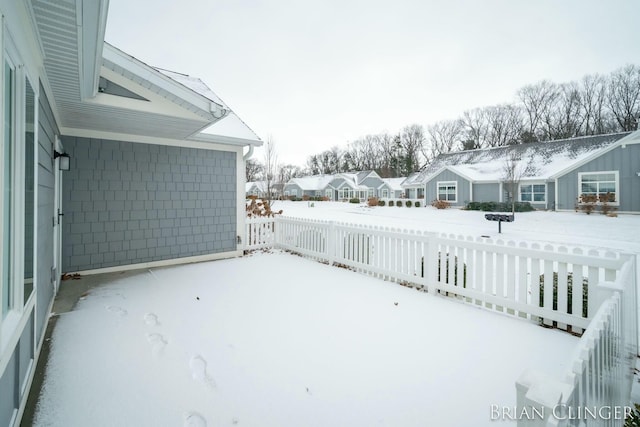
(278, 340)
(274, 339)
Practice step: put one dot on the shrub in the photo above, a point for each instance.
(440, 204)
(354, 200)
(391, 203)
(372, 201)
(499, 207)
(569, 307)
(306, 197)
(417, 204)
(399, 203)
(408, 203)
(381, 203)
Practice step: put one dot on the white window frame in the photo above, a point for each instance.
(531, 184)
(10, 321)
(294, 192)
(447, 184)
(384, 193)
(616, 175)
(328, 193)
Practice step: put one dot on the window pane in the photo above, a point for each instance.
(525, 189)
(607, 187)
(7, 170)
(538, 188)
(588, 188)
(29, 193)
(537, 197)
(525, 197)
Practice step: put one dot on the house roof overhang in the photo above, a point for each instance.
(76, 59)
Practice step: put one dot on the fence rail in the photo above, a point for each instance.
(555, 285)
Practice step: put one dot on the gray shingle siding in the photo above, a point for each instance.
(486, 192)
(447, 175)
(625, 160)
(128, 203)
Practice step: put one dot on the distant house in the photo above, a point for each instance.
(391, 188)
(312, 186)
(361, 185)
(106, 164)
(259, 189)
(553, 175)
(341, 186)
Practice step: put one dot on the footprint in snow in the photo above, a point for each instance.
(151, 319)
(158, 343)
(199, 372)
(193, 419)
(117, 310)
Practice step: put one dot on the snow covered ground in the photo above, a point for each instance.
(273, 339)
(278, 340)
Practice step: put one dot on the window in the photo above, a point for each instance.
(294, 192)
(29, 189)
(385, 193)
(532, 193)
(7, 186)
(344, 193)
(448, 191)
(328, 193)
(599, 184)
(371, 193)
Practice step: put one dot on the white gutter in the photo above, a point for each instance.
(249, 153)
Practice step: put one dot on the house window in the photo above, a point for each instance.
(344, 193)
(294, 192)
(532, 193)
(328, 193)
(599, 184)
(385, 193)
(8, 147)
(448, 191)
(371, 193)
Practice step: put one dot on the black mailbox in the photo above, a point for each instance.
(499, 218)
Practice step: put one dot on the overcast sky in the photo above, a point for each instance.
(315, 74)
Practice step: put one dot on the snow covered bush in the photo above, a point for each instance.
(354, 200)
(417, 204)
(381, 203)
(408, 203)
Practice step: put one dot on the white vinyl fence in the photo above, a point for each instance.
(555, 285)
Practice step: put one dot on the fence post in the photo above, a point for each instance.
(430, 263)
(331, 242)
(539, 400)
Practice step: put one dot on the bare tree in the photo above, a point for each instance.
(475, 128)
(443, 137)
(270, 168)
(593, 105)
(563, 119)
(286, 172)
(537, 100)
(624, 96)
(253, 170)
(412, 140)
(513, 170)
(504, 125)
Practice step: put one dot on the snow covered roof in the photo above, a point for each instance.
(394, 183)
(539, 160)
(315, 182)
(229, 125)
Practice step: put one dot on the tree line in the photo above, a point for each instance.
(596, 104)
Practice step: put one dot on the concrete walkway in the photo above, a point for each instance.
(65, 301)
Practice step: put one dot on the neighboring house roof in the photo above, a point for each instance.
(536, 161)
(312, 183)
(394, 183)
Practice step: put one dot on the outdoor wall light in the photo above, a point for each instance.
(64, 162)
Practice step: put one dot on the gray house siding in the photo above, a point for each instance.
(446, 175)
(624, 160)
(551, 195)
(372, 182)
(486, 192)
(128, 203)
